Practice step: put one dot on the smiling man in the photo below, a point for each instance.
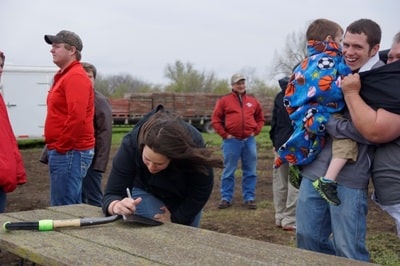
(361, 46)
(380, 123)
(341, 230)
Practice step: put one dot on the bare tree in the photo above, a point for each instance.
(294, 52)
(256, 85)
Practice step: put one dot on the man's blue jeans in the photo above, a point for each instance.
(92, 193)
(66, 174)
(336, 230)
(150, 206)
(3, 199)
(233, 150)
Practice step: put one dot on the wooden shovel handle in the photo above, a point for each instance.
(49, 225)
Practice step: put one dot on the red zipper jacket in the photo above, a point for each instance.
(240, 118)
(12, 170)
(70, 111)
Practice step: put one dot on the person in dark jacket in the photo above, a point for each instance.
(92, 192)
(165, 163)
(284, 194)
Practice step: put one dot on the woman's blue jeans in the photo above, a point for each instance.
(336, 230)
(66, 174)
(245, 150)
(150, 206)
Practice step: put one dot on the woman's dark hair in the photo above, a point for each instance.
(168, 135)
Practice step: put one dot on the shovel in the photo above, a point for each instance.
(50, 225)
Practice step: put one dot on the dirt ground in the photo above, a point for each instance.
(237, 220)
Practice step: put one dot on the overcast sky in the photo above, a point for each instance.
(141, 37)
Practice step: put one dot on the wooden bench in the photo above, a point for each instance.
(122, 243)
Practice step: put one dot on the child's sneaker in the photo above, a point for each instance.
(327, 190)
(295, 176)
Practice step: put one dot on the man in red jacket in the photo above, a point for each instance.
(69, 131)
(238, 118)
(12, 170)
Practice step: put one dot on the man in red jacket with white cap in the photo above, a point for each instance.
(238, 118)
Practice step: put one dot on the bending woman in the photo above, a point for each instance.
(165, 163)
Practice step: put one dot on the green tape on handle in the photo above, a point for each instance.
(46, 225)
(4, 226)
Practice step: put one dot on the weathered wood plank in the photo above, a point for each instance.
(124, 243)
(61, 248)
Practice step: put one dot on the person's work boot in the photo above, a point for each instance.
(251, 204)
(327, 190)
(224, 204)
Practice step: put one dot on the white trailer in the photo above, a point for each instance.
(24, 90)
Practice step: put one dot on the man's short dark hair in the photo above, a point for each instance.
(369, 28)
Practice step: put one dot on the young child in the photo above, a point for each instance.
(312, 95)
